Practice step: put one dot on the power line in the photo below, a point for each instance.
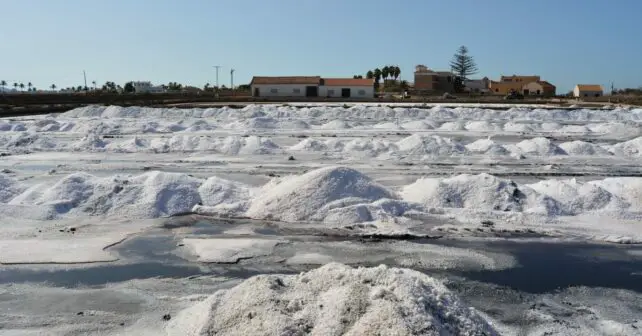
(217, 67)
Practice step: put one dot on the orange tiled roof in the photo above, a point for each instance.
(312, 80)
(347, 82)
(589, 87)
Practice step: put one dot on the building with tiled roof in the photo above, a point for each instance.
(588, 90)
(312, 86)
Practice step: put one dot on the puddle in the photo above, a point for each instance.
(546, 267)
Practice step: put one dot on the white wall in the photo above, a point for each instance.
(335, 91)
(532, 88)
(282, 90)
(476, 85)
(580, 94)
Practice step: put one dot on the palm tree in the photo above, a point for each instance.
(385, 72)
(396, 72)
(22, 87)
(29, 85)
(3, 83)
(53, 87)
(15, 86)
(370, 74)
(94, 83)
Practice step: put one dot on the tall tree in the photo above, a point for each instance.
(29, 85)
(396, 72)
(3, 83)
(462, 64)
(129, 87)
(94, 84)
(22, 87)
(370, 74)
(385, 72)
(15, 86)
(53, 87)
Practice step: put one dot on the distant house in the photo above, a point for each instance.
(312, 86)
(477, 85)
(588, 90)
(526, 85)
(427, 80)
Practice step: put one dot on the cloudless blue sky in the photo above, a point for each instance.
(564, 41)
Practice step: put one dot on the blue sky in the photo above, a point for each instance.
(564, 41)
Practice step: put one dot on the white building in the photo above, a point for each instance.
(312, 86)
(147, 87)
(588, 90)
(477, 85)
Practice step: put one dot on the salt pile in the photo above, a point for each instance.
(628, 148)
(132, 145)
(32, 141)
(223, 197)
(417, 125)
(539, 146)
(453, 126)
(309, 145)
(293, 125)
(576, 197)
(183, 143)
(517, 127)
(336, 125)
(12, 127)
(235, 145)
(482, 126)
(89, 143)
(487, 146)
(479, 192)
(388, 126)
(9, 188)
(582, 148)
(333, 300)
(429, 145)
(368, 147)
(254, 123)
(301, 197)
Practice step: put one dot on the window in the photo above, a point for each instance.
(296, 90)
(274, 90)
(496, 90)
(362, 92)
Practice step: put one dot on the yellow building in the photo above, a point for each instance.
(526, 85)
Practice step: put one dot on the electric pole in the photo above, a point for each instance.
(232, 79)
(85, 76)
(217, 67)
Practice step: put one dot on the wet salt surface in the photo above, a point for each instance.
(541, 266)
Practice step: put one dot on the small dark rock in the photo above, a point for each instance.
(291, 158)
(250, 315)
(122, 324)
(80, 313)
(487, 223)
(61, 230)
(147, 168)
(72, 229)
(167, 317)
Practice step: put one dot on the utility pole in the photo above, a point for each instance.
(85, 76)
(217, 67)
(232, 79)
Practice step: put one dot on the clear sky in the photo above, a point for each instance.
(564, 41)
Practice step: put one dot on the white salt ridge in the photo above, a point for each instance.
(482, 126)
(582, 148)
(578, 197)
(333, 300)
(235, 145)
(293, 125)
(539, 146)
(517, 127)
(335, 125)
(301, 197)
(368, 147)
(481, 192)
(132, 145)
(32, 141)
(487, 146)
(309, 145)
(254, 123)
(229, 250)
(89, 143)
(429, 145)
(453, 126)
(388, 126)
(631, 148)
(418, 125)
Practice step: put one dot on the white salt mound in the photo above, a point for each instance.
(335, 124)
(628, 148)
(582, 148)
(578, 197)
(429, 145)
(301, 197)
(235, 145)
(310, 145)
(487, 146)
(333, 300)
(517, 127)
(215, 191)
(90, 142)
(417, 125)
(482, 126)
(540, 146)
(368, 147)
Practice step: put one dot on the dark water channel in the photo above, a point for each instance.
(542, 266)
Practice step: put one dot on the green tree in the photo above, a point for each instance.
(94, 84)
(377, 77)
(396, 72)
(22, 87)
(129, 88)
(53, 87)
(3, 84)
(404, 85)
(458, 84)
(385, 72)
(15, 86)
(370, 74)
(29, 85)
(462, 64)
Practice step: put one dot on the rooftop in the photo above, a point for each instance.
(589, 87)
(312, 80)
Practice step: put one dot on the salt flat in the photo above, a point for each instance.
(459, 172)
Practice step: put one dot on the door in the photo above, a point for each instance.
(311, 91)
(345, 93)
(526, 92)
(256, 92)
